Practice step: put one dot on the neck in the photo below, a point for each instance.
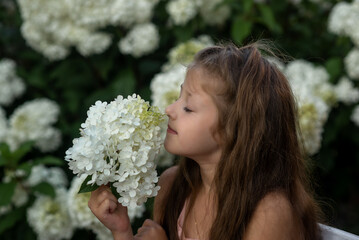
(208, 171)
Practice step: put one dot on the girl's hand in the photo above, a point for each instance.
(111, 213)
(150, 230)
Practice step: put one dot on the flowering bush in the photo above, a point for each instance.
(57, 58)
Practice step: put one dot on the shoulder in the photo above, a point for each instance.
(165, 182)
(272, 213)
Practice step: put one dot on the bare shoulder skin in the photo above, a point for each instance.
(273, 219)
(165, 182)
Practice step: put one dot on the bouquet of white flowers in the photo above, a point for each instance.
(118, 144)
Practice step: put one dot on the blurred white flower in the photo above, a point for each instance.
(77, 204)
(3, 125)
(184, 52)
(305, 75)
(53, 27)
(165, 86)
(32, 122)
(352, 63)
(346, 92)
(52, 175)
(214, 12)
(141, 40)
(49, 217)
(119, 143)
(11, 86)
(314, 95)
(181, 11)
(355, 115)
(20, 196)
(343, 20)
(5, 209)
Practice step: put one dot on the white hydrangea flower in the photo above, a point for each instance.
(49, 217)
(355, 115)
(343, 20)
(181, 11)
(5, 209)
(20, 196)
(352, 63)
(141, 40)
(346, 92)
(184, 52)
(303, 74)
(11, 86)
(165, 86)
(119, 143)
(32, 122)
(53, 175)
(3, 125)
(214, 12)
(314, 95)
(313, 113)
(53, 27)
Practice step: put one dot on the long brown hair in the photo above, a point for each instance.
(261, 151)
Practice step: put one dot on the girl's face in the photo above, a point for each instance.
(192, 119)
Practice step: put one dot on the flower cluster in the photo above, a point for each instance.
(314, 95)
(49, 217)
(343, 20)
(53, 27)
(33, 121)
(212, 11)
(11, 85)
(141, 40)
(55, 176)
(352, 62)
(346, 92)
(118, 145)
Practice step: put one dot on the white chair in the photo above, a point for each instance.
(330, 233)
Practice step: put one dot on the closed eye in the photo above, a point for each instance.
(186, 109)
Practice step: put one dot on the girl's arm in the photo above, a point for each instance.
(273, 219)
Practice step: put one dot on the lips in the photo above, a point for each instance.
(170, 130)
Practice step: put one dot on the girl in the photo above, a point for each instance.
(242, 175)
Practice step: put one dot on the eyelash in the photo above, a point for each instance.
(186, 109)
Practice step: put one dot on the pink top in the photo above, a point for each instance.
(180, 222)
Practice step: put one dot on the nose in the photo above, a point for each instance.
(170, 111)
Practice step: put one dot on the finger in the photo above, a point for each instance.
(107, 206)
(148, 222)
(103, 194)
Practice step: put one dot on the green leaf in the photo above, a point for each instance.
(87, 188)
(241, 28)
(6, 192)
(21, 152)
(5, 154)
(114, 192)
(334, 67)
(49, 160)
(247, 5)
(45, 188)
(9, 220)
(269, 19)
